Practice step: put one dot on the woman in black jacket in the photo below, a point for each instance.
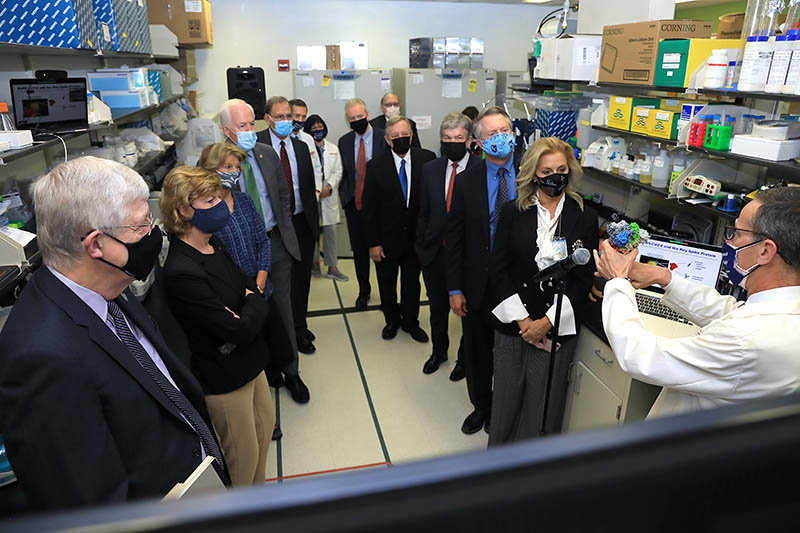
(222, 313)
(543, 225)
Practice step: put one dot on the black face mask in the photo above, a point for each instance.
(142, 254)
(359, 126)
(401, 145)
(454, 151)
(554, 184)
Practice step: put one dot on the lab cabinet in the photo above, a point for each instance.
(590, 403)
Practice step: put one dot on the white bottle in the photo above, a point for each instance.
(756, 63)
(781, 59)
(716, 69)
(661, 169)
(792, 83)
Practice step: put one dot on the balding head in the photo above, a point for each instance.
(236, 115)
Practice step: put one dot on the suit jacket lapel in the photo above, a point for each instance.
(569, 218)
(482, 197)
(390, 171)
(102, 335)
(271, 184)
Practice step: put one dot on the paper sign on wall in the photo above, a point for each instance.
(490, 85)
(472, 84)
(423, 121)
(308, 81)
(344, 89)
(417, 79)
(386, 85)
(326, 81)
(451, 88)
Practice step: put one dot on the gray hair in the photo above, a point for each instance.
(276, 100)
(488, 112)
(455, 120)
(350, 103)
(383, 98)
(395, 119)
(224, 114)
(77, 197)
(777, 218)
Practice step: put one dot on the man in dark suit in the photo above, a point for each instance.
(477, 197)
(94, 406)
(357, 148)
(391, 208)
(263, 179)
(298, 171)
(390, 105)
(438, 178)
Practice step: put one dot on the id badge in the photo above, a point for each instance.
(559, 249)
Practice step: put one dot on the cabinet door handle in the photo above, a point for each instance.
(603, 359)
(577, 386)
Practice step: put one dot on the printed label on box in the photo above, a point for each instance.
(106, 31)
(621, 100)
(192, 6)
(663, 115)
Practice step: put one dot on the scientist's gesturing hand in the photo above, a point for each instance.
(612, 264)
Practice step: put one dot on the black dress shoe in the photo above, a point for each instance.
(458, 372)
(417, 333)
(474, 422)
(275, 380)
(361, 302)
(308, 335)
(389, 331)
(305, 346)
(277, 433)
(297, 389)
(433, 362)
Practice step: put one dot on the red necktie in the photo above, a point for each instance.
(361, 172)
(287, 172)
(450, 186)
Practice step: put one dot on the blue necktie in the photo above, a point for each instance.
(403, 180)
(175, 396)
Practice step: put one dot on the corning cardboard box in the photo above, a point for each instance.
(628, 52)
(190, 20)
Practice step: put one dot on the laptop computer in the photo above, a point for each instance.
(697, 262)
(47, 107)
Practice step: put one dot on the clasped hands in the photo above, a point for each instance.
(533, 331)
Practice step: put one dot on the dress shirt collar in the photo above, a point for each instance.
(544, 213)
(276, 141)
(492, 169)
(779, 294)
(96, 303)
(462, 164)
(367, 136)
(406, 158)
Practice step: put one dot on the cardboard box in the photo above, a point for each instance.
(664, 124)
(642, 120)
(133, 31)
(135, 99)
(670, 104)
(730, 26)
(186, 63)
(577, 57)
(628, 53)
(546, 66)
(32, 23)
(333, 57)
(190, 20)
(620, 110)
(117, 79)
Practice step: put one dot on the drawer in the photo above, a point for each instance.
(600, 359)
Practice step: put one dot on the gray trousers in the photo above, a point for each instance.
(281, 276)
(328, 247)
(520, 383)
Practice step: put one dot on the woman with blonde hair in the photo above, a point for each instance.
(545, 224)
(222, 314)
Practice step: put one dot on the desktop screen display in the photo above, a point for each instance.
(690, 262)
(48, 104)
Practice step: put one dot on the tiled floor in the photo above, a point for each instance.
(370, 402)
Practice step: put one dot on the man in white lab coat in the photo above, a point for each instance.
(742, 351)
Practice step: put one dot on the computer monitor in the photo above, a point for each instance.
(690, 260)
(43, 105)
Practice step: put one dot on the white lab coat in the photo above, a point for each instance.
(315, 164)
(742, 352)
(332, 168)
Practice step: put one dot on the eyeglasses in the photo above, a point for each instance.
(730, 232)
(143, 229)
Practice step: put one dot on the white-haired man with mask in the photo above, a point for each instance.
(94, 406)
(390, 106)
(742, 351)
(262, 178)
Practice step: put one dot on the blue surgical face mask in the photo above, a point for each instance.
(246, 140)
(499, 145)
(282, 128)
(213, 219)
(229, 179)
(730, 262)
